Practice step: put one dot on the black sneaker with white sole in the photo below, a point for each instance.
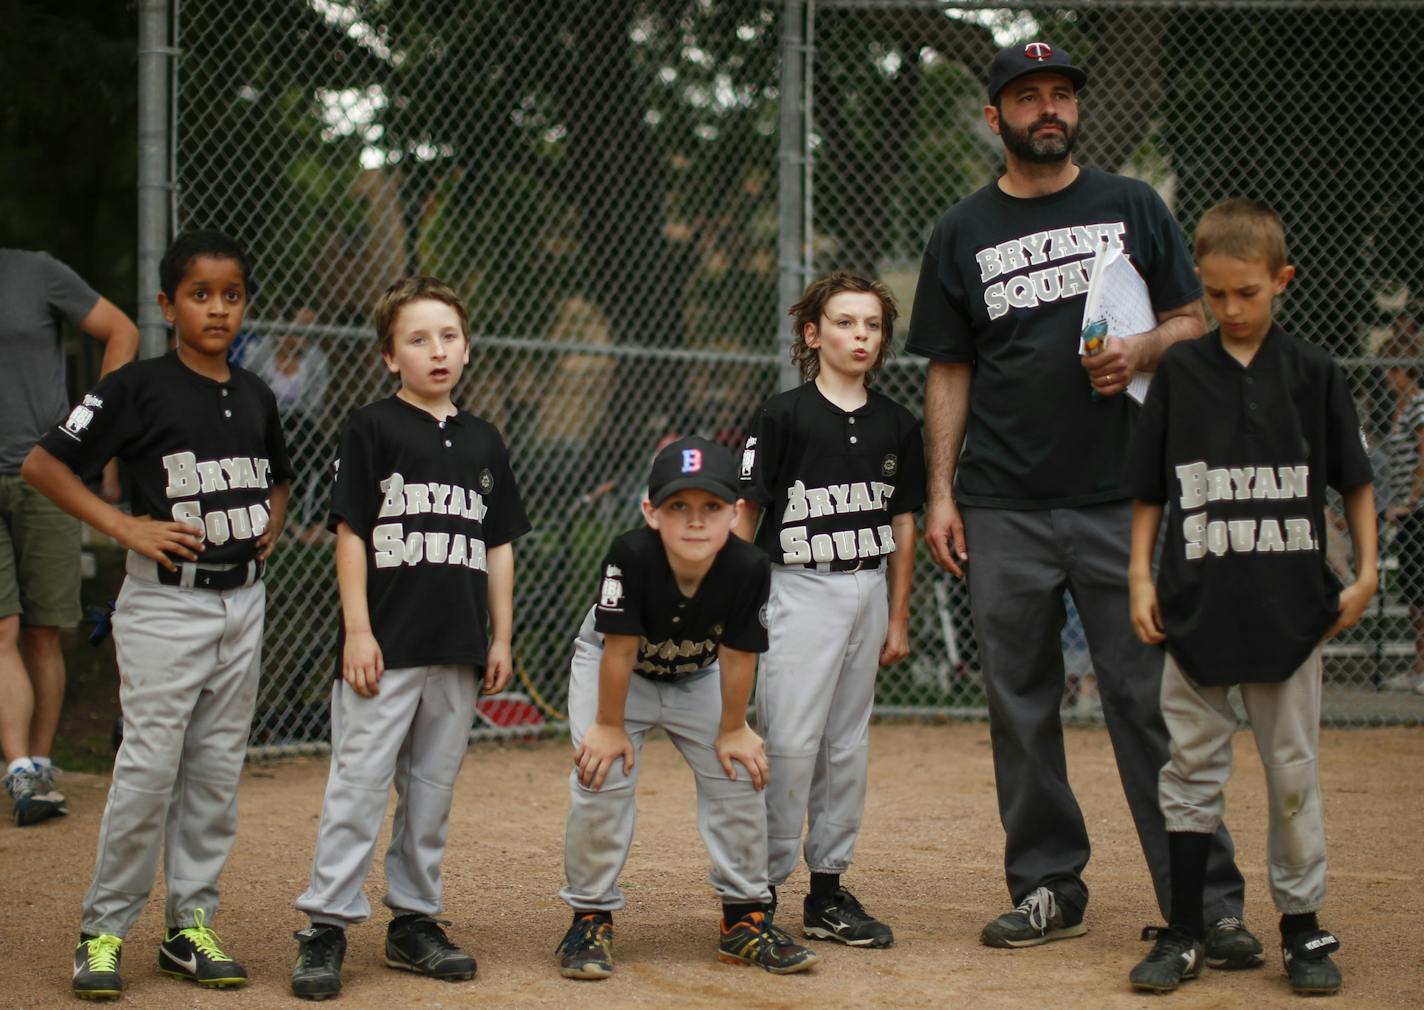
(417, 943)
(1039, 918)
(320, 951)
(1175, 958)
(839, 916)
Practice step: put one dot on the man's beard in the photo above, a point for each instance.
(1035, 146)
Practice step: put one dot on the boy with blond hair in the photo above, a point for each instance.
(1242, 432)
(425, 509)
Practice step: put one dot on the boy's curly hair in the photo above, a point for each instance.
(811, 307)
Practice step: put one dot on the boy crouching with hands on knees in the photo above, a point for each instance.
(672, 642)
(1241, 433)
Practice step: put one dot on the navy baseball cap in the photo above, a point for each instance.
(696, 463)
(1031, 58)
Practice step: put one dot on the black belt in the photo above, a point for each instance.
(212, 578)
(851, 565)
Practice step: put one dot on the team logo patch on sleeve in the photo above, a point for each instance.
(610, 594)
(486, 481)
(763, 615)
(889, 465)
(82, 414)
(749, 458)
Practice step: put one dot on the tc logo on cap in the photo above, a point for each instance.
(691, 460)
(1038, 51)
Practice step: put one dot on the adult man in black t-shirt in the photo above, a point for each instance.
(1038, 488)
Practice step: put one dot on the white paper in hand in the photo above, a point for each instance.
(1118, 296)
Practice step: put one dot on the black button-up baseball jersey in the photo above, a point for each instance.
(198, 451)
(679, 635)
(429, 498)
(1241, 456)
(830, 480)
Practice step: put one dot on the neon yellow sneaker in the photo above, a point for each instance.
(96, 967)
(194, 954)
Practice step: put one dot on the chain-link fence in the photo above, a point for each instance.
(600, 181)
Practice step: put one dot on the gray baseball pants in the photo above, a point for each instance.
(731, 814)
(188, 668)
(414, 733)
(815, 692)
(1020, 563)
(1285, 718)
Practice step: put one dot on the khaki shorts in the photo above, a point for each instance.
(39, 557)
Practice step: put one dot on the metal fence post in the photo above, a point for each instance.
(153, 182)
(791, 256)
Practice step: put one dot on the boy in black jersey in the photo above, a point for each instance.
(1241, 433)
(425, 509)
(672, 642)
(840, 470)
(210, 479)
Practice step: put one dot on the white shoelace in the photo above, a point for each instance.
(1039, 908)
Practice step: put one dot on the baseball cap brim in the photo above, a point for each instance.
(1077, 76)
(694, 483)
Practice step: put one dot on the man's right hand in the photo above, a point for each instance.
(601, 747)
(362, 663)
(944, 531)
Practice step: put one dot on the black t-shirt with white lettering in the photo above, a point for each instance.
(831, 480)
(679, 635)
(1241, 456)
(198, 451)
(1002, 287)
(429, 498)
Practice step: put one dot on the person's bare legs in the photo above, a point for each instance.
(17, 697)
(44, 661)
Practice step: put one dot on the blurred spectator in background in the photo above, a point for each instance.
(39, 544)
(1405, 443)
(298, 373)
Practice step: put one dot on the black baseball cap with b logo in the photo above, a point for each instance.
(693, 463)
(1031, 58)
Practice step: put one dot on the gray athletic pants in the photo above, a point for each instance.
(188, 669)
(1285, 719)
(1020, 564)
(814, 695)
(731, 814)
(414, 733)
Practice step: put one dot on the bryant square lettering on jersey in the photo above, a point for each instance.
(1202, 484)
(188, 476)
(1050, 283)
(393, 546)
(659, 659)
(799, 547)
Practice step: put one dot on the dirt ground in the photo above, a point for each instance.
(929, 862)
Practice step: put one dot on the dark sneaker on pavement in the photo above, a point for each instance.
(320, 951)
(586, 951)
(1039, 918)
(96, 968)
(1307, 957)
(1175, 958)
(752, 939)
(195, 954)
(1230, 945)
(839, 916)
(33, 800)
(417, 943)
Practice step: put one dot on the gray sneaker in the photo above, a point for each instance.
(1231, 946)
(33, 800)
(1038, 919)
